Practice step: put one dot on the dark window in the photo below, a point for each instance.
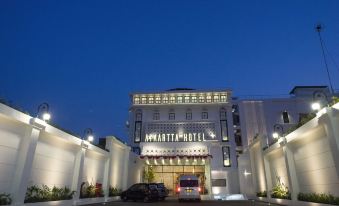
(189, 183)
(204, 115)
(224, 130)
(138, 116)
(171, 116)
(223, 115)
(218, 182)
(156, 116)
(137, 131)
(188, 116)
(285, 117)
(226, 156)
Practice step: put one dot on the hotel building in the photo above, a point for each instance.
(185, 131)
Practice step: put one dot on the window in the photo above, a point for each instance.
(137, 131)
(172, 100)
(285, 117)
(194, 99)
(165, 100)
(204, 115)
(179, 100)
(224, 130)
(187, 99)
(150, 100)
(136, 100)
(188, 115)
(138, 116)
(156, 116)
(201, 99)
(143, 100)
(157, 100)
(226, 156)
(216, 98)
(223, 114)
(218, 182)
(171, 116)
(208, 98)
(223, 98)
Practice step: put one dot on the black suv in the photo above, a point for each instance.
(162, 190)
(141, 191)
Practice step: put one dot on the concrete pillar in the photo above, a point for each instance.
(125, 173)
(208, 177)
(24, 161)
(268, 176)
(291, 173)
(78, 171)
(107, 175)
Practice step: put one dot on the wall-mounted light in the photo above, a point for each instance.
(43, 112)
(88, 135)
(275, 135)
(315, 106)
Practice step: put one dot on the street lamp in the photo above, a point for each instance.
(88, 135)
(315, 106)
(43, 111)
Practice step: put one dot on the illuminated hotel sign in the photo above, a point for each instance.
(184, 137)
(180, 132)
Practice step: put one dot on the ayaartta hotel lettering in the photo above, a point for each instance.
(178, 137)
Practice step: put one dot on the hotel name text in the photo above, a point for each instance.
(181, 137)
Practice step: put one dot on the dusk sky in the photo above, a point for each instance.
(85, 57)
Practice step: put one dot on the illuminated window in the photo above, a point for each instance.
(143, 100)
(194, 99)
(187, 99)
(223, 98)
(165, 100)
(156, 116)
(209, 99)
(179, 99)
(172, 100)
(171, 116)
(204, 115)
(150, 100)
(226, 156)
(137, 131)
(157, 100)
(216, 98)
(201, 99)
(136, 100)
(224, 130)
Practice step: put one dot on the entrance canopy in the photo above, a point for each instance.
(176, 160)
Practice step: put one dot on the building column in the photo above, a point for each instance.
(208, 177)
(291, 173)
(268, 176)
(107, 176)
(78, 171)
(125, 169)
(24, 161)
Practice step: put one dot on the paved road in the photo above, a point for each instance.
(176, 203)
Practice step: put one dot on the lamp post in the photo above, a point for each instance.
(88, 135)
(43, 112)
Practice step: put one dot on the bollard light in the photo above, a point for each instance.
(275, 135)
(315, 106)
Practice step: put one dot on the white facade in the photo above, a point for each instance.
(33, 152)
(263, 117)
(187, 127)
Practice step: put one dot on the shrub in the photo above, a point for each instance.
(303, 121)
(114, 192)
(93, 191)
(5, 199)
(319, 198)
(44, 194)
(262, 194)
(280, 190)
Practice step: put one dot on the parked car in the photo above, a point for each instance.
(162, 190)
(188, 188)
(141, 191)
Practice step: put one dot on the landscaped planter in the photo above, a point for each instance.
(52, 203)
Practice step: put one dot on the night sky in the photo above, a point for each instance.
(85, 57)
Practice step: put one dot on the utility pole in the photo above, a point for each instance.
(319, 29)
